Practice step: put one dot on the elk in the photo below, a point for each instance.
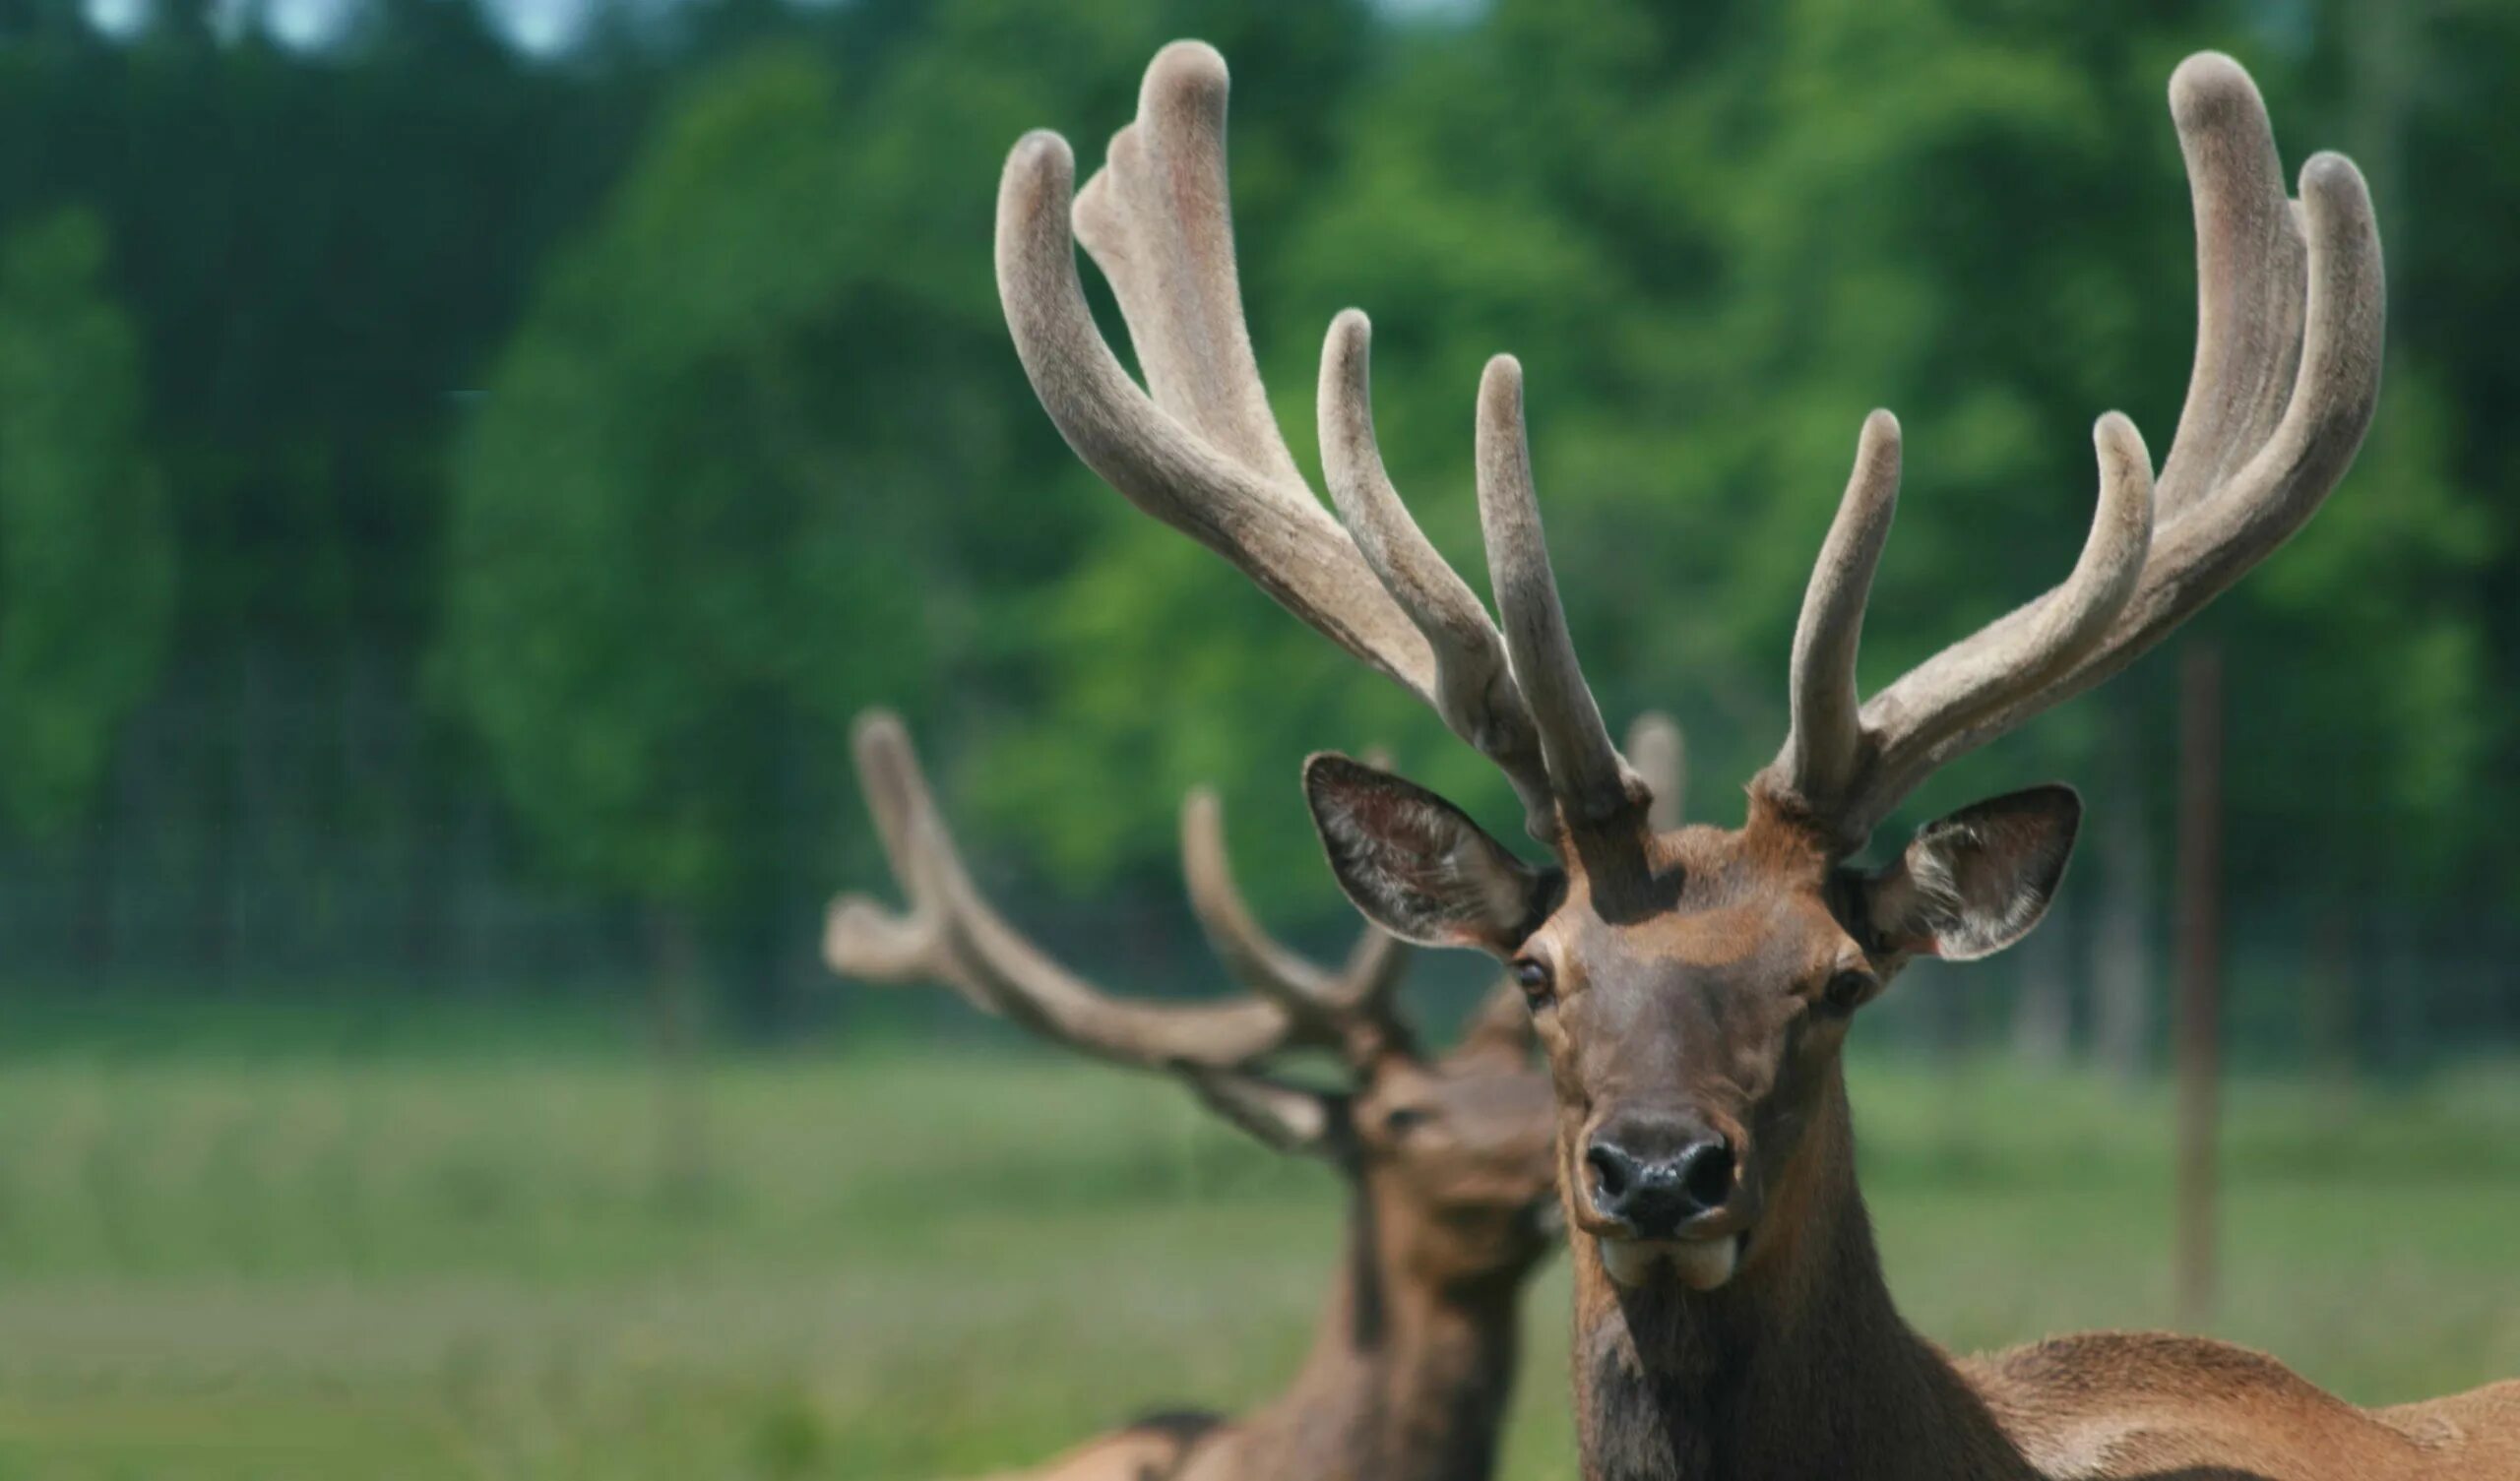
(1453, 1185)
(1692, 987)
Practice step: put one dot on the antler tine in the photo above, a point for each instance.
(1349, 1006)
(1822, 745)
(1269, 527)
(1371, 973)
(2250, 269)
(2057, 633)
(1591, 781)
(1157, 221)
(2290, 317)
(861, 938)
(1659, 750)
(952, 935)
(1255, 957)
(1475, 688)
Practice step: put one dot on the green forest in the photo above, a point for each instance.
(459, 482)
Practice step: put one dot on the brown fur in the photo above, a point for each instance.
(1413, 1359)
(1150, 1450)
(1799, 1365)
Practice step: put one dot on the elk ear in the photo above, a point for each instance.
(1416, 864)
(1973, 883)
(1287, 1118)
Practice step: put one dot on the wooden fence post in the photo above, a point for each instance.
(2198, 1047)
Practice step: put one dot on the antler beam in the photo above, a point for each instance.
(950, 935)
(2289, 326)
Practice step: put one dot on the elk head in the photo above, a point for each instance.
(1691, 986)
(1452, 1151)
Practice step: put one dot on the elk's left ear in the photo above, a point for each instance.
(1417, 865)
(1288, 1118)
(1973, 883)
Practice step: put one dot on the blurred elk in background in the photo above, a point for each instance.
(1693, 987)
(1454, 1196)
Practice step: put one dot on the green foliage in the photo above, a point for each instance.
(86, 545)
(757, 457)
(2394, 720)
(678, 567)
(651, 409)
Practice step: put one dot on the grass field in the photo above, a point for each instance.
(246, 1263)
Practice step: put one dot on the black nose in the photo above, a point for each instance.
(1655, 1176)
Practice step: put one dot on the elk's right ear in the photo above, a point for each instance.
(1416, 864)
(1973, 883)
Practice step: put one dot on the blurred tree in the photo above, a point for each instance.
(757, 459)
(86, 547)
(318, 256)
(675, 570)
(670, 473)
(2407, 83)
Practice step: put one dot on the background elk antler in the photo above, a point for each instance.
(950, 935)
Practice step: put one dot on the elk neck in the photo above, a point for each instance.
(1408, 1378)
(1799, 1365)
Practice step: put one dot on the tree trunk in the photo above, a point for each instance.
(673, 1038)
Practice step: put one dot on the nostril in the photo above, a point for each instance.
(1655, 1178)
(1614, 1173)
(1706, 1176)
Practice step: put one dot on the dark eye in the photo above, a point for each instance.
(1400, 1120)
(1847, 991)
(1534, 978)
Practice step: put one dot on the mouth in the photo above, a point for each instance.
(1701, 1264)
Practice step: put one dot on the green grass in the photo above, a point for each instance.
(242, 1263)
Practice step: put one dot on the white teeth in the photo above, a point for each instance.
(1701, 1263)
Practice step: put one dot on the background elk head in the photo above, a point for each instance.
(1692, 987)
(1452, 1151)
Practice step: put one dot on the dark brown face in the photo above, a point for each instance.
(1460, 1158)
(1691, 989)
(1686, 1035)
